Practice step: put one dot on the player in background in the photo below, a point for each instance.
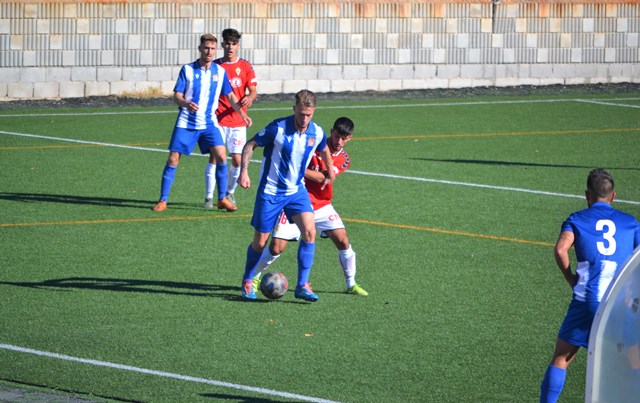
(328, 222)
(234, 130)
(289, 144)
(603, 238)
(197, 92)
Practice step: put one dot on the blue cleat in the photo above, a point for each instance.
(247, 290)
(306, 293)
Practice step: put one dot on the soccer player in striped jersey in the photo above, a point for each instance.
(327, 219)
(234, 130)
(603, 238)
(197, 92)
(289, 143)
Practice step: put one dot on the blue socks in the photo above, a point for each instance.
(306, 251)
(252, 262)
(221, 179)
(168, 175)
(552, 384)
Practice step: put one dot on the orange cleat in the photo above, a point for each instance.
(161, 206)
(225, 204)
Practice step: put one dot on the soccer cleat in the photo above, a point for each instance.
(248, 292)
(225, 204)
(161, 206)
(306, 293)
(256, 281)
(357, 290)
(208, 204)
(231, 198)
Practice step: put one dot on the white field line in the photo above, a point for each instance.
(163, 374)
(606, 101)
(381, 175)
(598, 102)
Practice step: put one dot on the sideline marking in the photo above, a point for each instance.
(448, 232)
(602, 101)
(382, 175)
(165, 374)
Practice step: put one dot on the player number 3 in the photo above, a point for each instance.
(608, 236)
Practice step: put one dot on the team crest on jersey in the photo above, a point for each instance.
(236, 82)
(214, 78)
(238, 70)
(311, 142)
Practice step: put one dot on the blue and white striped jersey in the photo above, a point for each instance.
(286, 155)
(202, 86)
(604, 239)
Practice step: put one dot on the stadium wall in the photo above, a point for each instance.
(86, 48)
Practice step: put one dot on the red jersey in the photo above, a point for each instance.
(241, 76)
(322, 197)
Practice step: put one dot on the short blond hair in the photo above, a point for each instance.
(306, 98)
(208, 38)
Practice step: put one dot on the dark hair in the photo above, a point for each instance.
(600, 183)
(343, 126)
(208, 38)
(231, 35)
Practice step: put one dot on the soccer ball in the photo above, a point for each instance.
(274, 285)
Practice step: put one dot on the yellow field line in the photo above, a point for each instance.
(448, 232)
(435, 136)
(155, 143)
(124, 220)
(229, 216)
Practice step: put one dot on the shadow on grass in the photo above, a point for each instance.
(86, 200)
(143, 286)
(511, 163)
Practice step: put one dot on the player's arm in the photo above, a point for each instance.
(326, 157)
(564, 243)
(181, 101)
(250, 98)
(315, 176)
(247, 152)
(235, 103)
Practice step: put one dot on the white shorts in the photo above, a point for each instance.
(234, 138)
(327, 219)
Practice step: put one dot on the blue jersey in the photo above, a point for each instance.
(202, 86)
(286, 155)
(604, 239)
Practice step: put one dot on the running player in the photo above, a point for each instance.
(327, 219)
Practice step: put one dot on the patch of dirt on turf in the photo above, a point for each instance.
(115, 101)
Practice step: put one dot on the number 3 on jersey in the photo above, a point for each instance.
(608, 236)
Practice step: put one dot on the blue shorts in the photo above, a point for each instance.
(184, 141)
(577, 323)
(267, 208)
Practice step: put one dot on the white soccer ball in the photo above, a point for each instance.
(274, 285)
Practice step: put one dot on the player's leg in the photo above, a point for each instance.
(266, 210)
(556, 372)
(209, 181)
(212, 142)
(236, 139)
(182, 143)
(306, 253)
(283, 232)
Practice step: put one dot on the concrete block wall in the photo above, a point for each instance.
(62, 48)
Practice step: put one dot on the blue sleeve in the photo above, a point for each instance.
(636, 237)
(323, 142)
(226, 86)
(266, 135)
(181, 83)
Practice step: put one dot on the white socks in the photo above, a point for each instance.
(209, 180)
(348, 262)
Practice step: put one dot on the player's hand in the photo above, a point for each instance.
(243, 180)
(192, 107)
(330, 175)
(247, 121)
